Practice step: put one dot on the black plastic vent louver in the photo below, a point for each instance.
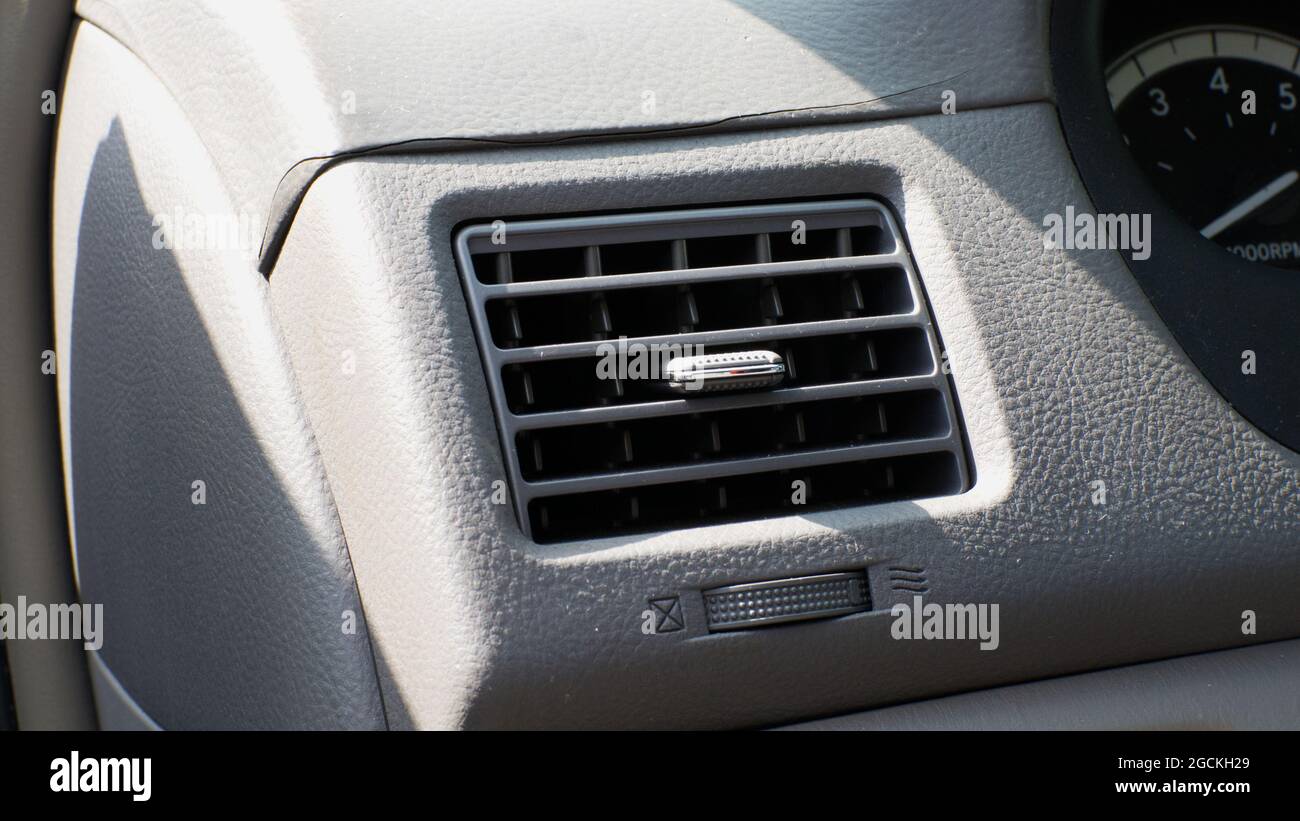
(863, 415)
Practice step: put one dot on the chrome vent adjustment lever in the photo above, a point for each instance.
(708, 373)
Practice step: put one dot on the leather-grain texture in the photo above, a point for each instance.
(226, 604)
(1064, 374)
(1250, 688)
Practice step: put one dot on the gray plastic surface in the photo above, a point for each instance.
(1251, 688)
(116, 708)
(1065, 378)
(51, 688)
(270, 84)
(229, 603)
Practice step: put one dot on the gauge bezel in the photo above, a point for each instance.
(1215, 304)
(1215, 28)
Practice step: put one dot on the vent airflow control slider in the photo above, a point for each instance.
(760, 604)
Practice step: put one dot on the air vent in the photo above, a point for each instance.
(577, 317)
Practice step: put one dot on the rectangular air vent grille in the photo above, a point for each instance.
(576, 316)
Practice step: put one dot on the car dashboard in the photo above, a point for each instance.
(699, 365)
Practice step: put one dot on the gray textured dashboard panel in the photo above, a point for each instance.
(1065, 376)
(1250, 688)
(269, 84)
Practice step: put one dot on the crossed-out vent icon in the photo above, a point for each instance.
(668, 614)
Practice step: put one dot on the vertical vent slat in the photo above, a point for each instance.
(614, 451)
(843, 242)
(770, 301)
(852, 302)
(688, 313)
(599, 321)
(680, 256)
(591, 261)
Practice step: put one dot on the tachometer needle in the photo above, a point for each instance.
(1249, 204)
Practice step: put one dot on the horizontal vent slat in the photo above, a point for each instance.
(682, 276)
(751, 496)
(749, 220)
(568, 383)
(718, 305)
(755, 336)
(752, 431)
(505, 267)
(665, 406)
(732, 467)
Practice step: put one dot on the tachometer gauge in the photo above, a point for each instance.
(1210, 115)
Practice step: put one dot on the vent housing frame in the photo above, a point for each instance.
(653, 251)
